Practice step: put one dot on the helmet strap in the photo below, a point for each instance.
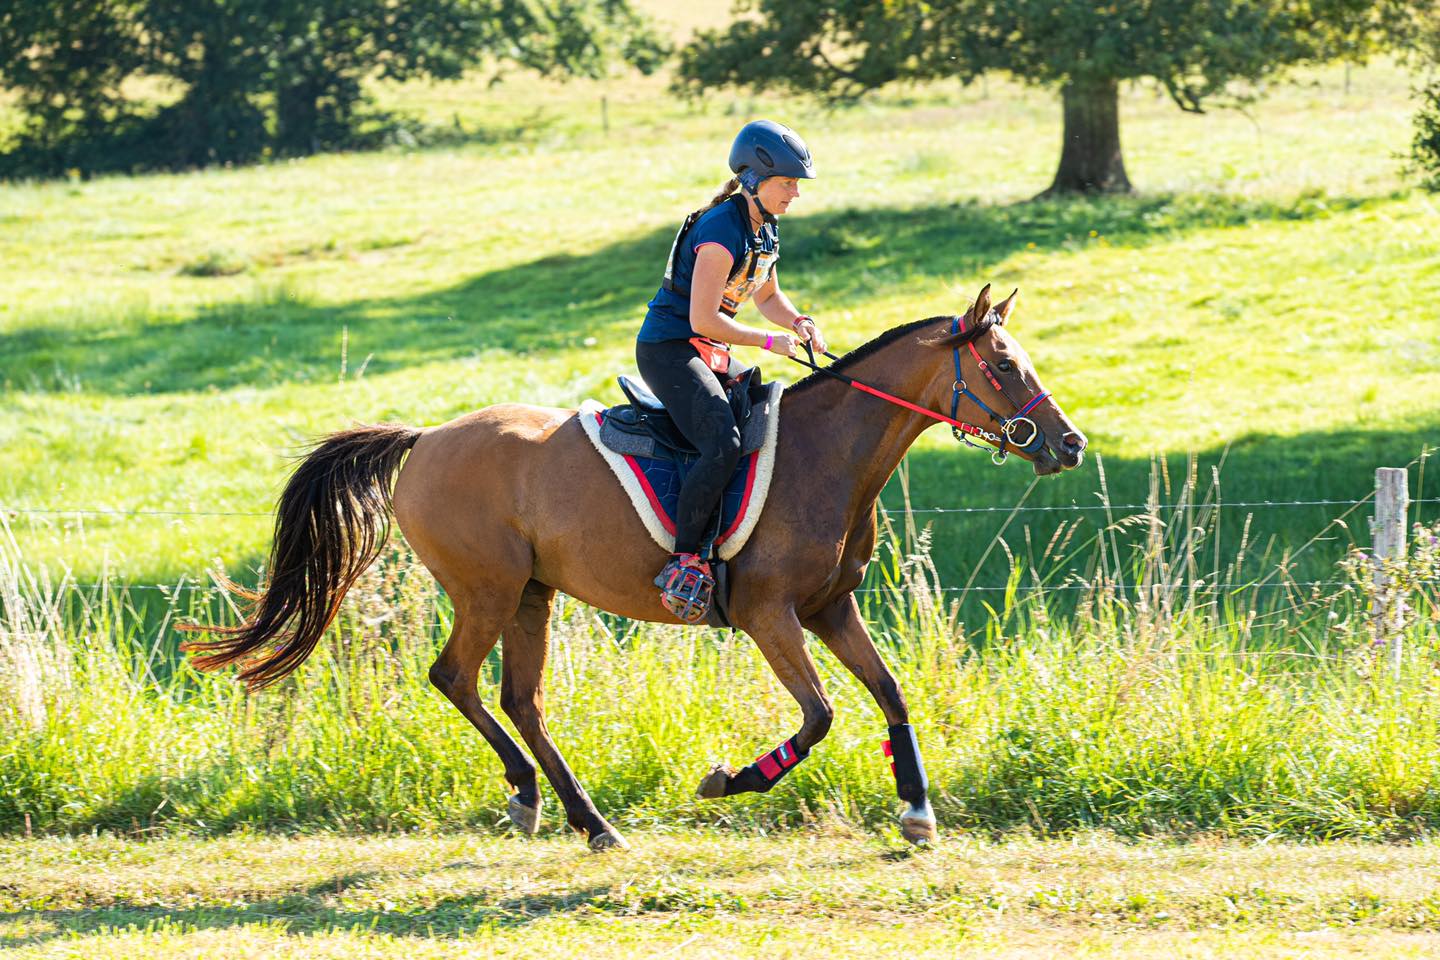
(765, 215)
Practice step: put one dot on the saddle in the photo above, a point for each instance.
(650, 457)
(643, 428)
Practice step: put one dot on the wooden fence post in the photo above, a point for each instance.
(1392, 500)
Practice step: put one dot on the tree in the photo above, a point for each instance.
(1197, 49)
(218, 52)
(283, 74)
(66, 59)
(324, 48)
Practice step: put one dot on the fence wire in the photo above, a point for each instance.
(1027, 588)
(892, 511)
(120, 587)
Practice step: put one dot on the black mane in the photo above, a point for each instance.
(863, 351)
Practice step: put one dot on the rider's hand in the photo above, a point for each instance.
(782, 344)
(807, 329)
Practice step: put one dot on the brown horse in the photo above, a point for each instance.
(511, 503)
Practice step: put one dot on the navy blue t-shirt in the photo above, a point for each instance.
(668, 316)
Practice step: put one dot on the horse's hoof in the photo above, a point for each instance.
(713, 786)
(918, 825)
(608, 839)
(526, 819)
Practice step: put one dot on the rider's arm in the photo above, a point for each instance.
(707, 285)
(771, 301)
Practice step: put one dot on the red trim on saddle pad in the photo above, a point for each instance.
(655, 505)
(751, 470)
(665, 520)
(744, 501)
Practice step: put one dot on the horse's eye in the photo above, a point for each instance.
(1005, 366)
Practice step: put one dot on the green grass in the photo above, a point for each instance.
(1145, 706)
(823, 892)
(1264, 301)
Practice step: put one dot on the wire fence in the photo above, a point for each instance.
(893, 511)
(120, 586)
(1199, 585)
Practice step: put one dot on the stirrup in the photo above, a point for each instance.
(686, 587)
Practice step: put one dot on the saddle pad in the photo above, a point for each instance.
(653, 485)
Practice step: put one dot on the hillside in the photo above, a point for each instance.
(169, 340)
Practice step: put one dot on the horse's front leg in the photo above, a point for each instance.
(782, 640)
(840, 628)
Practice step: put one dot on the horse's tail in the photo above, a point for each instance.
(331, 523)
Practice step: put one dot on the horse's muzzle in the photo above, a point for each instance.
(1071, 449)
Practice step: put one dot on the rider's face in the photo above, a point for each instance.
(777, 193)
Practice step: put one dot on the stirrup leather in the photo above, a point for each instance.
(686, 587)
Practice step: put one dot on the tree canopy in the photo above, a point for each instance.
(1196, 49)
(257, 75)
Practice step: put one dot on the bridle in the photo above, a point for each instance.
(1008, 425)
(963, 430)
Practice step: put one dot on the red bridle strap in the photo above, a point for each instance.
(866, 388)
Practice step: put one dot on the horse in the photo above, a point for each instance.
(509, 504)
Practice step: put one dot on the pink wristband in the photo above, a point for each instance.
(769, 339)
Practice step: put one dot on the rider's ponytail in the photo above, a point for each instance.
(727, 190)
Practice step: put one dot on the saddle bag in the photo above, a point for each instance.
(715, 354)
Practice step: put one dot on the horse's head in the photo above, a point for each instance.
(997, 393)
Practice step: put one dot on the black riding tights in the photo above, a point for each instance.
(692, 393)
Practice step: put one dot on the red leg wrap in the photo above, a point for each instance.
(774, 764)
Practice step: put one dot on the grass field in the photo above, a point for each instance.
(1122, 762)
(167, 340)
(1143, 707)
(818, 893)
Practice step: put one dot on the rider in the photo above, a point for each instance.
(723, 255)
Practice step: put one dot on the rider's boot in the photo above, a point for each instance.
(686, 586)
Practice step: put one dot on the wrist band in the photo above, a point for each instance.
(799, 320)
(769, 339)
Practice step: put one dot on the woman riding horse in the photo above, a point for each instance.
(510, 504)
(724, 254)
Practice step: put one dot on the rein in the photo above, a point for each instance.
(962, 430)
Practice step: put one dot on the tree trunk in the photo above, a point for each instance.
(297, 117)
(1090, 160)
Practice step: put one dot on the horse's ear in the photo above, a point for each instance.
(1006, 306)
(982, 305)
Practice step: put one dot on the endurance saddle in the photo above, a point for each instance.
(651, 457)
(643, 427)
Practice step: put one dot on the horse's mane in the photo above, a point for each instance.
(863, 351)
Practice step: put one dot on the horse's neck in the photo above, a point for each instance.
(854, 436)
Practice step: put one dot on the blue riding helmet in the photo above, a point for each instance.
(764, 148)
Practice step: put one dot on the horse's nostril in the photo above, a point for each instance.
(1075, 441)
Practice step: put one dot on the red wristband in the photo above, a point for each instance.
(799, 320)
(769, 339)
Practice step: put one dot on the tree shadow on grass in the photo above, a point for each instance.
(339, 904)
(315, 911)
(1267, 492)
(1262, 530)
(558, 303)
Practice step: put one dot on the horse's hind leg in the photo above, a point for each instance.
(840, 628)
(456, 672)
(527, 645)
